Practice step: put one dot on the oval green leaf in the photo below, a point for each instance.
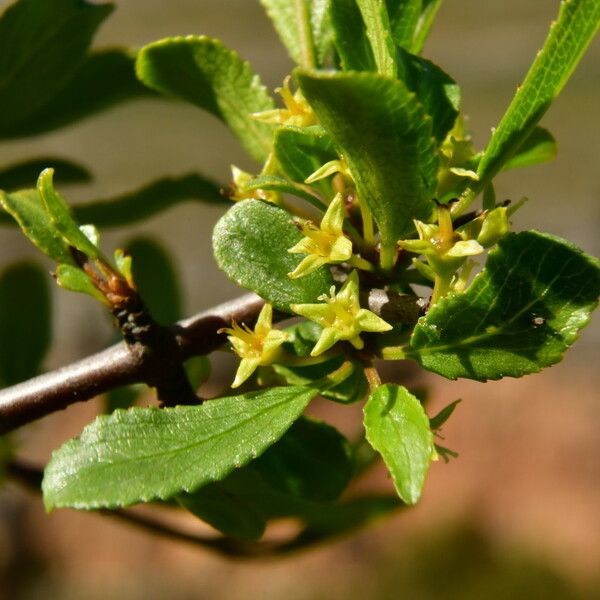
(146, 454)
(251, 243)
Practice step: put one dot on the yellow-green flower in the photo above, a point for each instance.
(256, 348)
(341, 317)
(297, 111)
(325, 244)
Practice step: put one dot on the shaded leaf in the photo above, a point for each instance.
(538, 147)
(105, 78)
(349, 36)
(444, 414)
(198, 370)
(398, 428)
(145, 454)
(518, 316)
(251, 245)
(25, 173)
(391, 155)
(411, 21)
(41, 46)
(436, 90)
(312, 461)
(25, 321)
(227, 512)
(202, 71)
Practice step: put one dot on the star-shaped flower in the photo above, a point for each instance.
(341, 317)
(256, 348)
(297, 111)
(325, 244)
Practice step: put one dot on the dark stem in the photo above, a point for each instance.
(123, 364)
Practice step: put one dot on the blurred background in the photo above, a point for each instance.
(516, 515)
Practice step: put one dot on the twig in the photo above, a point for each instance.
(116, 366)
(122, 364)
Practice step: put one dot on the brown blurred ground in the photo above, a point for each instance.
(516, 515)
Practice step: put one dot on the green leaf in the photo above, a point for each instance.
(41, 46)
(379, 34)
(398, 428)
(61, 217)
(145, 454)
(411, 21)
(25, 173)
(198, 370)
(539, 147)
(386, 137)
(202, 71)
(311, 461)
(301, 151)
(28, 210)
(156, 279)
(436, 91)
(227, 512)
(251, 243)
(577, 23)
(25, 321)
(105, 78)
(349, 36)
(518, 316)
(74, 279)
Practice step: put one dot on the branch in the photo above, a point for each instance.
(116, 366)
(124, 364)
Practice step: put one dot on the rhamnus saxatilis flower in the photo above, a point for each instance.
(341, 317)
(297, 111)
(445, 250)
(256, 348)
(325, 244)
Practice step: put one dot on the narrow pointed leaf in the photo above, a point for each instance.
(62, 218)
(156, 280)
(577, 23)
(273, 183)
(379, 34)
(350, 37)
(41, 46)
(519, 315)
(145, 454)
(391, 155)
(25, 321)
(25, 174)
(538, 147)
(27, 209)
(398, 428)
(202, 71)
(424, 24)
(251, 245)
